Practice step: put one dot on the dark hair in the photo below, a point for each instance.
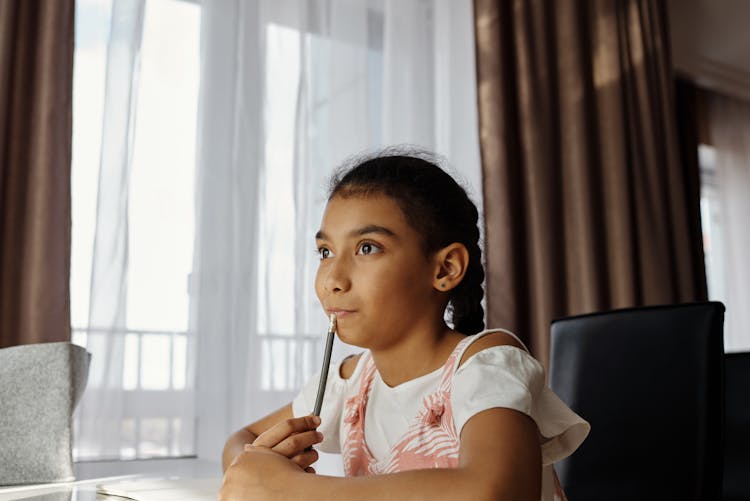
(435, 205)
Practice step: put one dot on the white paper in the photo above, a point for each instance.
(164, 489)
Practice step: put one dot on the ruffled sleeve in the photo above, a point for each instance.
(508, 377)
(333, 404)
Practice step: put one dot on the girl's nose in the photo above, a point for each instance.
(338, 278)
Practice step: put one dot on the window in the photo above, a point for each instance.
(160, 218)
(711, 222)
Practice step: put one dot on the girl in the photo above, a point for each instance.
(428, 411)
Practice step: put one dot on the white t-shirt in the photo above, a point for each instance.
(500, 376)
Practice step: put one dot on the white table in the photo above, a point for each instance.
(90, 474)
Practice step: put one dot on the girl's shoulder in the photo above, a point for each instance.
(490, 340)
(348, 365)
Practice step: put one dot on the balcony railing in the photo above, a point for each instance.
(155, 415)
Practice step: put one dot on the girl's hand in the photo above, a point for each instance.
(294, 439)
(258, 473)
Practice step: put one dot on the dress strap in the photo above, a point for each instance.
(453, 359)
(368, 373)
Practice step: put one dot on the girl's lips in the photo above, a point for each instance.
(341, 313)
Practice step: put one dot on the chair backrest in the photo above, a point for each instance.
(650, 382)
(737, 426)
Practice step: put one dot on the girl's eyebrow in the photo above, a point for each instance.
(370, 228)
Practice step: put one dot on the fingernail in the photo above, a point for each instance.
(316, 420)
(319, 435)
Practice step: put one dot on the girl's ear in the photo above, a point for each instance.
(451, 264)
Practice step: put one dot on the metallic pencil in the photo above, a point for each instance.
(326, 363)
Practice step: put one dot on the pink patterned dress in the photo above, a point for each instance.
(431, 440)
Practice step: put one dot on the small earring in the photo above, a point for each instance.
(442, 285)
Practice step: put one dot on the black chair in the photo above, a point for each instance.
(737, 427)
(650, 382)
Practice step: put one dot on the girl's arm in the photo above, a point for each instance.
(284, 420)
(500, 458)
(236, 442)
(280, 431)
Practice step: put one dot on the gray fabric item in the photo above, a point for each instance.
(40, 385)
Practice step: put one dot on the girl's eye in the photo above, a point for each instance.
(324, 253)
(368, 248)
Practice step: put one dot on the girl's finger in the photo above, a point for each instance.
(271, 437)
(305, 459)
(296, 444)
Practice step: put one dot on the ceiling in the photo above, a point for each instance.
(711, 43)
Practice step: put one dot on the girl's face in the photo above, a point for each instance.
(373, 272)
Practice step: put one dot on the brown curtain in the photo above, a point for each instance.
(36, 80)
(588, 206)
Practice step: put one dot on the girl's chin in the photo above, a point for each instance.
(351, 338)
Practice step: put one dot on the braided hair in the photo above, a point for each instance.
(435, 205)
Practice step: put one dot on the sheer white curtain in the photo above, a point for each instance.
(138, 402)
(99, 415)
(289, 89)
(729, 122)
(229, 167)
